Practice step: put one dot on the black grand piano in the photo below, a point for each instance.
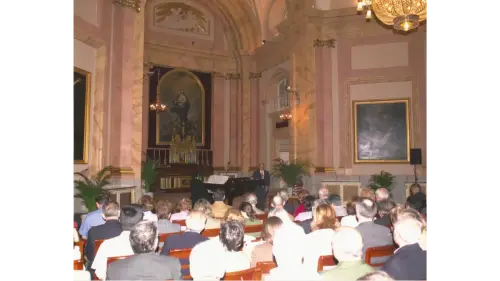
(235, 187)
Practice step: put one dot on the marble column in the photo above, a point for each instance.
(234, 125)
(255, 113)
(126, 95)
(218, 115)
(245, 113)
(324, 104)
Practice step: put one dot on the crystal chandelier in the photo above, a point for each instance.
(403, 15)
(157, 105)
(286, 116)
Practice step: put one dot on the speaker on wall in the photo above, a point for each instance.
(416, 156)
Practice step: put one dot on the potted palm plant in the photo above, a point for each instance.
(148, 175)
(89, 188)
(290, 173)
(383, 179)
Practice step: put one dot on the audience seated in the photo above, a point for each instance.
(264, 251)
(373, 234)
(202, 205)
(350, 220)
(163, 213)
(119, 245)
(302, 195)
(144, 264)
(367, 193)
(382, 194)
(384, 208)
(148, 206)
(319, 241)
(308, 203)
(184, 207)
(219, 208)
(323, 193)
(288, 224)
(206, 261)
(249, 214)
(110, 229)
(252, 199)
(347, 248)
(231, 238)
(409, 261)
(93, 218)
(376, 276)
(195, 223)
(400, 213)
(283, 193)
(336, 203)
(235, 215)
(277, 203)
(288, 250)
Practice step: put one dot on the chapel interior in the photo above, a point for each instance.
(262, 79)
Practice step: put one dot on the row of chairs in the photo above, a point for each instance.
(265, 267)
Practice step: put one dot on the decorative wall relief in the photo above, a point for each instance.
(182, 19)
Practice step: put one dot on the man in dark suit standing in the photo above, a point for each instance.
(262, 190)
(145, 264)
(409, 262)
(110, 229)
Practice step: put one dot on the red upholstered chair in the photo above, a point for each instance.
(182, 254)
(211, 232)
(78, 264)
(249, 274)
(376, 252)
(266, 266)
(323, 261)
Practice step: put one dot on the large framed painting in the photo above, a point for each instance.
(381, 131)
(81, 104)
(184, 95)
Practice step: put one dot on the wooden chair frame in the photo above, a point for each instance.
(266, 266)
(377, 252)
(253, 273)
(328, 260)
(182, 254)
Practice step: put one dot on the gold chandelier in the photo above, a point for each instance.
(403, 15)
(157, 106)
(285, 116)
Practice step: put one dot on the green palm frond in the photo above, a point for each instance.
(89, 189)
(383, 179)
(149, 173)
(290, 173)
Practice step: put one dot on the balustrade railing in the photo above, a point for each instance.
(167, 157)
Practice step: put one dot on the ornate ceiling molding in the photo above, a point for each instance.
(255, 75)
(134, 4)
(330, 43)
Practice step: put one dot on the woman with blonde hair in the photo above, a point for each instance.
(148, 206)
(184, 206)
(323, 227)
(203, 206)
(235, 215)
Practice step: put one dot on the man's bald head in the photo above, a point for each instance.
(323, 193)
(382, 194)
(347, 244)
(277, 202)
(407, 231)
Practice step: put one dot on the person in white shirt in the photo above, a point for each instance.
(120, 245)
(287, 222)
(336, 203)
(184, 207)
(203, 268)
(323, 193)
(231, 237)
(288, 250)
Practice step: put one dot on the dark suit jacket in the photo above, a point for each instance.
(267, 178)
(374, 235)
(408, 263)
(109, 229)
(306, 225)
(185, 240)
(384, 221)
(145, 267)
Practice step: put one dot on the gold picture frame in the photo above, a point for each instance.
(379, 139)
(83, 77)
(166, 76)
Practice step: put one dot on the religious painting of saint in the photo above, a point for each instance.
(184, 95)
(81, 103)
(381, 131)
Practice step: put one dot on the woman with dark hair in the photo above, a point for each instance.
(308, 203)
(264, 251)
(300, 209)
(248, 213)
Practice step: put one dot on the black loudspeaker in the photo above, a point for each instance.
(416, 156)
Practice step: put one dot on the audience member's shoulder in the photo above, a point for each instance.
(166, 259)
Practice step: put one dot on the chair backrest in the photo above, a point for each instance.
(97, 244)
(253, 228)
(180, 222)
(323, 261)
(211, 232)
(81, 246)
(253, 273)
(376, 252)
(78, 264)
(265, 266)
(162, 237)
(182, 254)
(262, 217)
(112, 259)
